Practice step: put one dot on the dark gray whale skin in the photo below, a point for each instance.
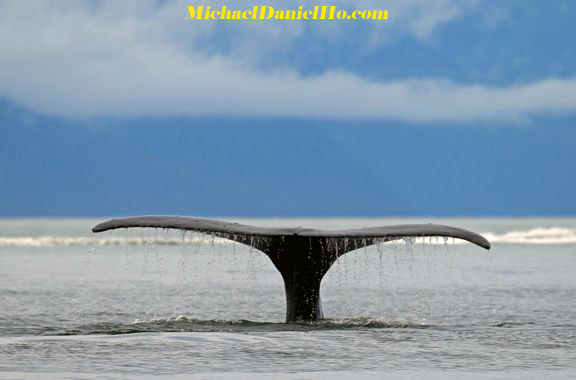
(301, 255)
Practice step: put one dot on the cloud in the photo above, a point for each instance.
(133, 58)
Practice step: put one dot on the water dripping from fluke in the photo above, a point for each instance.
(302, 256)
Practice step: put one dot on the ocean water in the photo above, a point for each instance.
(150, 303)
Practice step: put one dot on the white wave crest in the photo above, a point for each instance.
(550, 235)
(59, 241)
(541, 235)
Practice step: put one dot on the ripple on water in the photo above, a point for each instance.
(185, 324)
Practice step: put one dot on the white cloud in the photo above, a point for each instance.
(82, 59)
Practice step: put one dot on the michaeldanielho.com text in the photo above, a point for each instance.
(265, 12)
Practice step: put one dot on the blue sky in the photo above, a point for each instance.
(450, 107)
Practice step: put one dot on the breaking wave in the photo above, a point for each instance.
(550, 235)
(59, 241)
(542, 235)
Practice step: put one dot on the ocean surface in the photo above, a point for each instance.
(148, 303)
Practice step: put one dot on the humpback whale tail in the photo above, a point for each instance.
(302, 256)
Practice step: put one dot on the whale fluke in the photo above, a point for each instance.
(302, 255)
(220, 228)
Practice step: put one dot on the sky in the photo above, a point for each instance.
(448, 108)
